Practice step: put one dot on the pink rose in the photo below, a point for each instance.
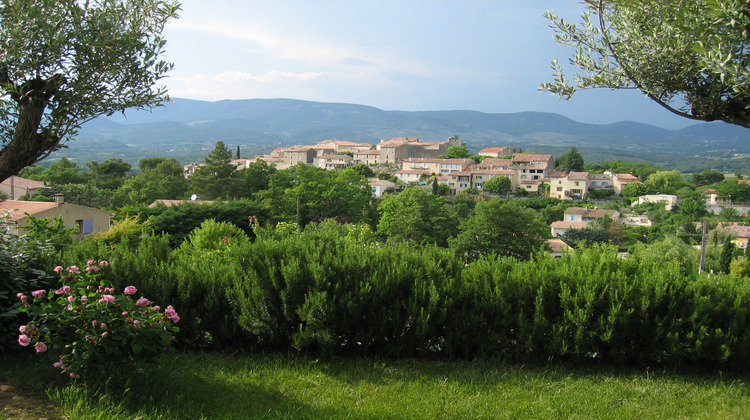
(73, 269)
(93, 269)
(38, 293)
(24, 340)
(103, 263)
(40, 347)
(71, 298)
(130, 290)
(107, 299)
(65, 290)
(142, 302)
(172, 314)
(21, 296)
(84, 298)
(90, 262)
(73, 375)
(22, 329)
(58, 269)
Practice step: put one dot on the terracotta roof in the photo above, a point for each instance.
(557, 174)
(367, 152)
(582, 176)
(399, 141)
(377, 181)
(739, 231)
(494, 162)
(21, 207)
(576, 210)
(569, 225)
(557, 245)
(626, 177)
(23, 182)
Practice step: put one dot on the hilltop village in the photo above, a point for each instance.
(414, 161)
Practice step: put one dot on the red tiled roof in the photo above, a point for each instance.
(21, 207)
(569, 225)
(23, 182)
(582, 176)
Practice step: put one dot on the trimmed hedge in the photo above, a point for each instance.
(331, 290)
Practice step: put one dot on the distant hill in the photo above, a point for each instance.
(187, 129)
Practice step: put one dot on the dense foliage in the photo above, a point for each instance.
(690, 56)
(333, 289)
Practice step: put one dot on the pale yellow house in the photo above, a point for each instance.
(86, 219)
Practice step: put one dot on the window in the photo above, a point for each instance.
(559, 188)
(575, 183)
(85, 226)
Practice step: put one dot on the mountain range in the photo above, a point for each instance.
(187, 129)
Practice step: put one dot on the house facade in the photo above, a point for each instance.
(87, 220)
(16, 186)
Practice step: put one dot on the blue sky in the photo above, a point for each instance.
(410, 55)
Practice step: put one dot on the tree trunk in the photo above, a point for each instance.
(28, 144)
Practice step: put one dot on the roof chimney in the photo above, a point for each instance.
(59, 199)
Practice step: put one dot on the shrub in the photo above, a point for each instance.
(90, 331)
(21, 263)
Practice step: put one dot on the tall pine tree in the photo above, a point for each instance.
(218, 179)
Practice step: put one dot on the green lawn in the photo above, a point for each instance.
(220, 386)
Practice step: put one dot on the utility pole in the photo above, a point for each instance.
(703, 249)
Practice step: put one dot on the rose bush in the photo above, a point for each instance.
(91, 330)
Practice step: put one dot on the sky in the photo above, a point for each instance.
(412, 55)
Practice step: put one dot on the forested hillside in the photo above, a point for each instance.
(187, 129)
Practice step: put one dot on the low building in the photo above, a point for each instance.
(669, 200)
(380, 186)
(15, 187)
(330, 162)
(581, 214)
(87, 220)
(560, 227)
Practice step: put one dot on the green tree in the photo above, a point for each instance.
(68, 62)
(363, 170)
(255, 177)
(727, 252)
(571, 161)
(499, 227)
(734, 190)
(64, 171)
(218, 177)
(109, 174)
(305, 193)
(708, 177)
(585, 237)
(458, 152)
(636, 189)
(415, 215)
(666, 182)
(690, 56)
(498, 185)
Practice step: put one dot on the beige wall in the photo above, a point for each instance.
(76, 216)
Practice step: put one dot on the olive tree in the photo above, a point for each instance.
(65, 62)
(690, 56)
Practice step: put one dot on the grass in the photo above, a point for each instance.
(223, 386)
